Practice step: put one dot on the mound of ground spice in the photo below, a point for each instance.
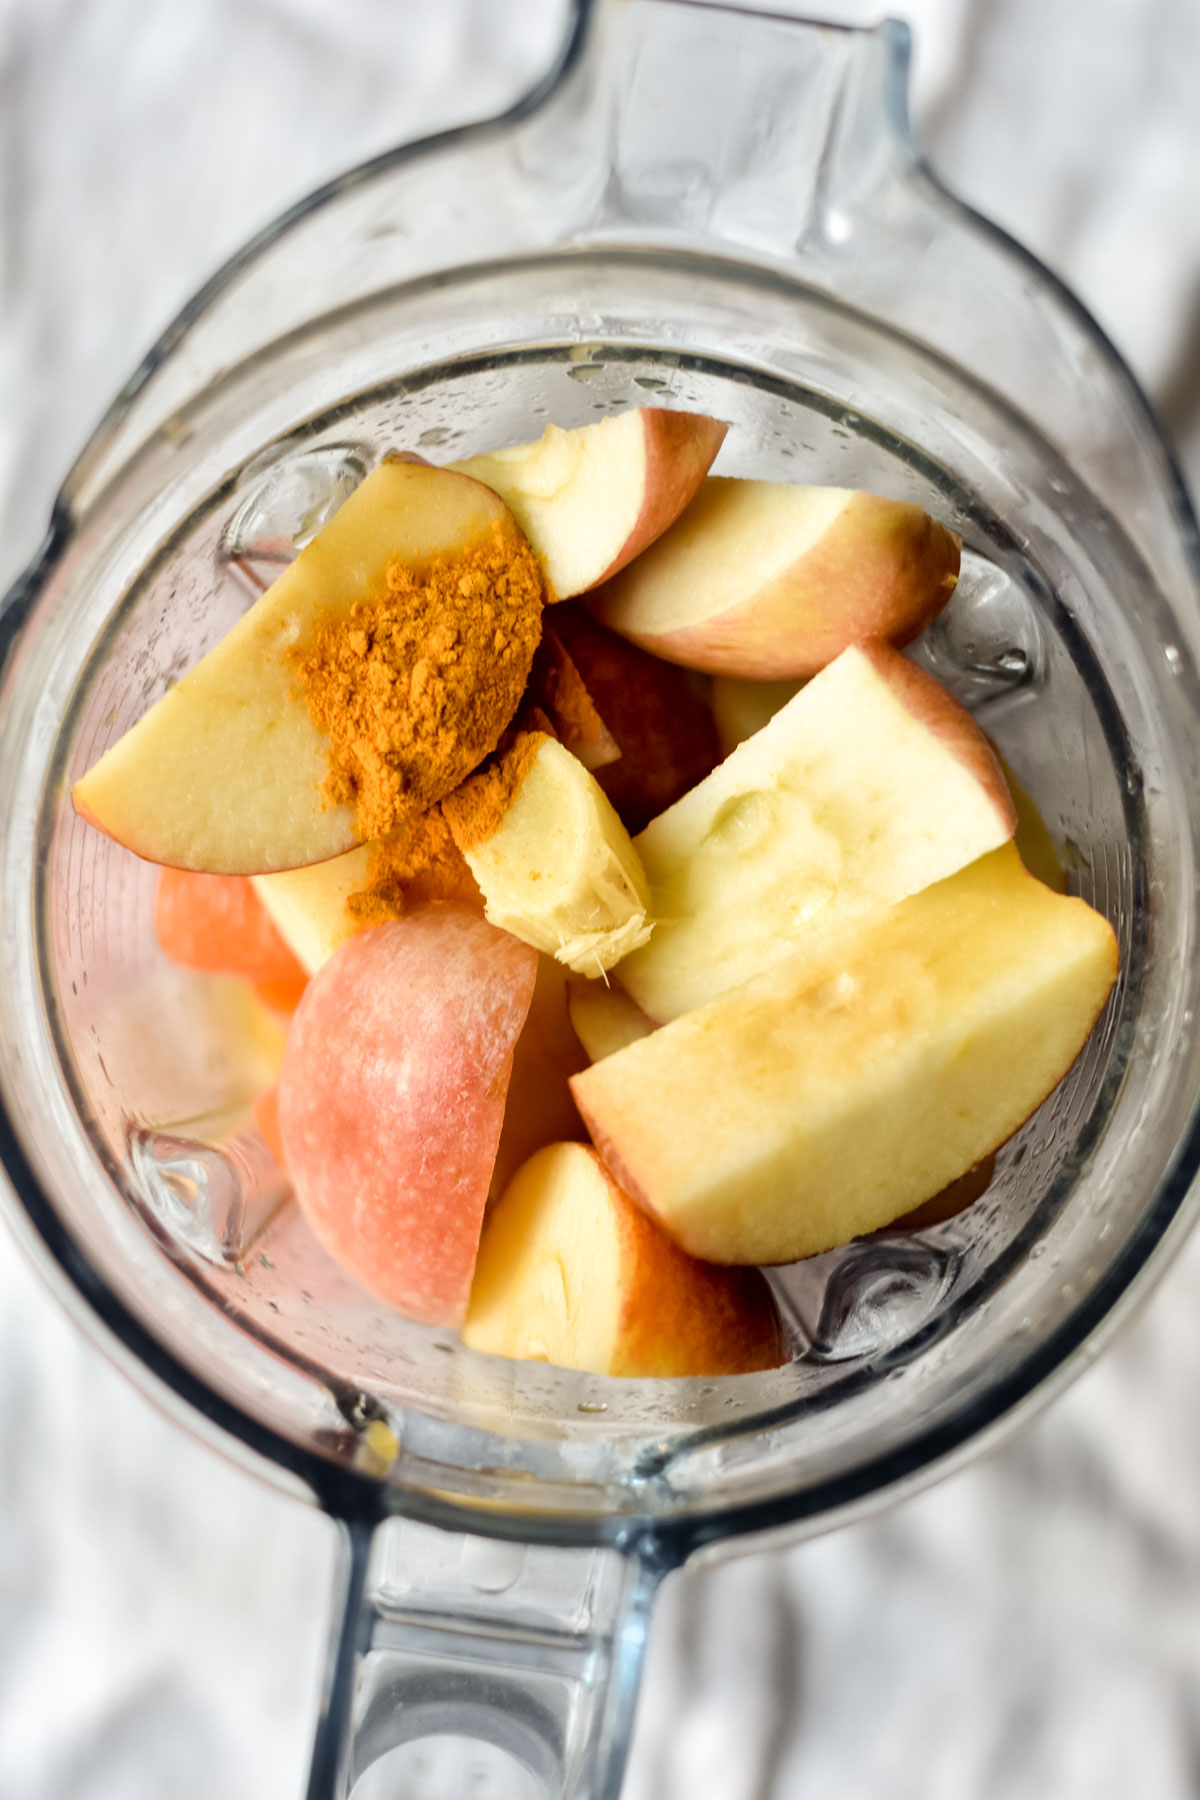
(416, 688)
(418, 862)
(476, 808)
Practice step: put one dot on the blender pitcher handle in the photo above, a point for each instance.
(483, 1661)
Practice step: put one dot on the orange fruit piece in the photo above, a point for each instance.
(218, 924)
(283, 996)
(265, 1113)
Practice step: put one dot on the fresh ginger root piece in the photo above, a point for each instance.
(555, 864)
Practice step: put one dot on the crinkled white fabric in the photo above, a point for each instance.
(1029, 1630)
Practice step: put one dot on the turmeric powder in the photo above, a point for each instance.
(418, 862)
(416, 688)
(474, 810)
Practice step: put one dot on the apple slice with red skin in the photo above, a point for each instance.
(772, 581)
(871, 783)
(391, 1100)
(571, 1272)
(591, 499)
(558, 689)
(224, 773)
(662, 725)
(540, 1108)
(843, 1087)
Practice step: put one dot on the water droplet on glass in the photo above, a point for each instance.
(1174, 656)
(879, 1296)
(592, 1406)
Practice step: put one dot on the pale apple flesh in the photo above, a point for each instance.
(869, 785)
(772, 581)
(224, 773)
(540, 1108)
(570, 1272)
(591, 499)
(559, 870)
(835, 1092)
(605, 1019)
(310, 907)
(741, 707)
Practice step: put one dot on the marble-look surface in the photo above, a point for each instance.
(1028, 1631)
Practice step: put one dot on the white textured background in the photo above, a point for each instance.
(1029, 1631)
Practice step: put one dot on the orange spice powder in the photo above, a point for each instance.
(475, 809)
(416, 863)
(416, 688)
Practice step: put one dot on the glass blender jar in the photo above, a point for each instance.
(701, 208)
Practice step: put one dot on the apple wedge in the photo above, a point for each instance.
(540, 1108)
(310, 907)
(224, 773)
(570, 1272)
(842, 1088)
(605, 1019)
(870, 784)
(771, 581)
(391, 1100)
(555, 864)
(662, 725)
(316, 909)
(953, 1199)
(558, 689)
(590, 500)
(741, 707)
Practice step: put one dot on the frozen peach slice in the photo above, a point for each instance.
(282, 997)
(770, 580)
(265, 1114)
(217, 924)
(590, 500)
(225, 772)
(662, 726)
(391, 1100)
(571, 1272)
